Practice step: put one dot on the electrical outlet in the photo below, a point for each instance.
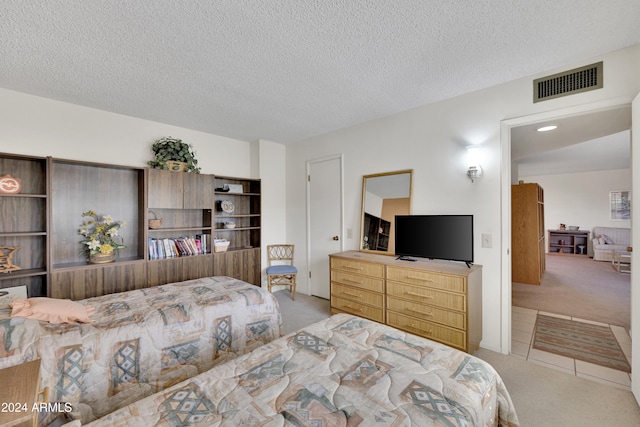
(349, 233)
(487, 240)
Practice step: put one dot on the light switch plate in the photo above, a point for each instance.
(487, 240)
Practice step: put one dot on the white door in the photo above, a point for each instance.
(324, 194)
(635, 258)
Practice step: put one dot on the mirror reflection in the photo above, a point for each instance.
(384, 196)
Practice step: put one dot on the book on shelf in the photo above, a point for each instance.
(162, 248)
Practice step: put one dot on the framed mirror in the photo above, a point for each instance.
(384, 195)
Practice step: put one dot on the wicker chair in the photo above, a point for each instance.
(281, 270)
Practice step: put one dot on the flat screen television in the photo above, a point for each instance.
(446, 237)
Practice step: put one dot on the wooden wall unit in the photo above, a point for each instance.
(44, 219)
(438, 300)
(527, 234)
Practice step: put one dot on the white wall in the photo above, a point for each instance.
(431, 140)
(43, 127)
(272, 160)
(581, 198)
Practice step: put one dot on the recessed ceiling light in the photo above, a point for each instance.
(547, 128)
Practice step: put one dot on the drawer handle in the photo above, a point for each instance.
(352, 294)
(413, 326)
(354, 308)
(359, 282)
(353, 267)
(412, 276)
(430, 314)
(414, 294)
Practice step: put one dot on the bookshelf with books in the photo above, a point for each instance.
(237, 220)
(179, 243)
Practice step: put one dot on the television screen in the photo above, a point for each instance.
(447, 237)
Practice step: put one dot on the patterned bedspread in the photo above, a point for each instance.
(142, 341)
(343, 371)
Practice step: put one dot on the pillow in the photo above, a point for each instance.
(601, 240)
(607, 240)
(6, 298)
(52, 310)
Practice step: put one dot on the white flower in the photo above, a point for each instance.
(108, 219)
(94, 244)
(113, 232)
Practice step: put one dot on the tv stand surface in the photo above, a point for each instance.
(439, 300)
(406, 258)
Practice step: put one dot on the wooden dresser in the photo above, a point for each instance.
(439, 300)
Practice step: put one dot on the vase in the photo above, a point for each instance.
(102, 258)
(176, 166)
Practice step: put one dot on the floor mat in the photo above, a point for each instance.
(578, 340)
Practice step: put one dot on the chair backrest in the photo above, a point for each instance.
(280, 253)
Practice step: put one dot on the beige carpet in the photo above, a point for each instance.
(546, 397)
(579, 287)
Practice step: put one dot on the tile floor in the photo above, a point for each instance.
(523, 321)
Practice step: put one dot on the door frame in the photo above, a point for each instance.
(505, 189)
(340, 158)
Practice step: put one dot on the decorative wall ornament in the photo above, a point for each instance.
(6, 253)
(10, 185)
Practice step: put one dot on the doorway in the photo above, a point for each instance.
(509, 175)
(324, 219)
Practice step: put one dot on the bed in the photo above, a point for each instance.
(342, 371)
(142, 341)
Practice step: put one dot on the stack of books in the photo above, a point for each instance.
(162, 248)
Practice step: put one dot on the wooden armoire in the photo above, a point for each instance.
(527, 234)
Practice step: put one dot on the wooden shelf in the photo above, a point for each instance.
(24, 220)
(242, 259)
(568, 242)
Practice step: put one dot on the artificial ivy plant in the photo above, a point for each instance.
(168, 149)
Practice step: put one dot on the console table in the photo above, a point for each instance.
(439, 300)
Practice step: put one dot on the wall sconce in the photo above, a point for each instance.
(473, 162)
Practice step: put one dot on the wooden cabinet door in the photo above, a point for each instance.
(77, 284)
(124, 277)
(165, 271)
(165, 189)
(195, 267)
(198, 191)
(242, 265)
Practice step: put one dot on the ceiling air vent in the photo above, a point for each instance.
(569, 82)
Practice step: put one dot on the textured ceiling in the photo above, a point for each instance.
(287, 70)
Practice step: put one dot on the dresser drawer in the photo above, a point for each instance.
(347, 306)
(426, 278)
(357, 267)
(455, 319)
(420, 294)
(358, 295)
(362, 282)
(449, 336)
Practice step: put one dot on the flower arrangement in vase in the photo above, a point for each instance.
(102, 239)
